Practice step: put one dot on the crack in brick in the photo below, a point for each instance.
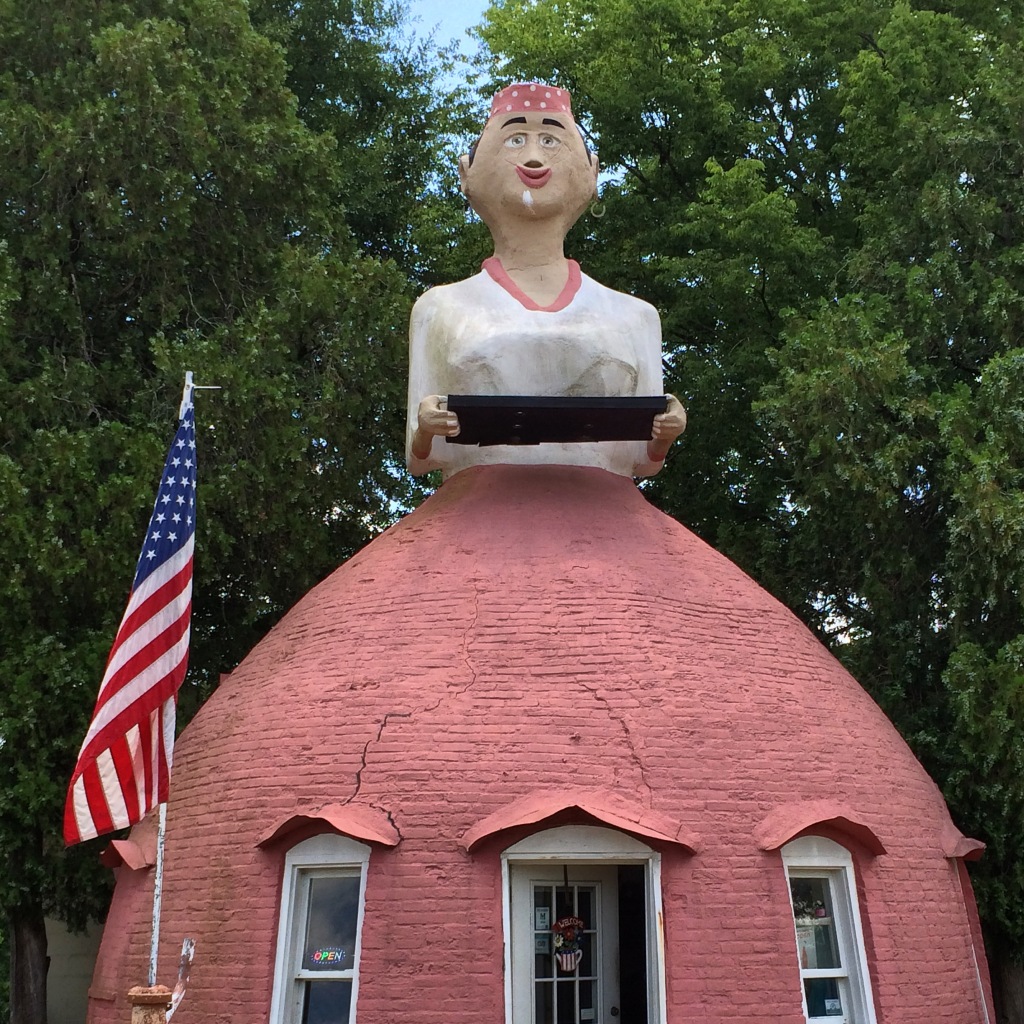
(620, 718)
(366, 748)
(394, 824)
(473, 673)
(464, 652)
(376, 739)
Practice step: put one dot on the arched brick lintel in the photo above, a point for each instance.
(605, 807)
(365, 823)
(790, 820)
(957, 846)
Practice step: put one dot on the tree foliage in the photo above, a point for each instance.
(174, 194)
(825, 202)
(356, 79)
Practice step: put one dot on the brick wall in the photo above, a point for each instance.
(535, 628)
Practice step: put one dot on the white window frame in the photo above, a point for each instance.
(590, 843)
(325, 854)
(817, 857)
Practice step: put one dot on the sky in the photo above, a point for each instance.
(450, 17)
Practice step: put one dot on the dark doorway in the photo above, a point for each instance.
(632, 944)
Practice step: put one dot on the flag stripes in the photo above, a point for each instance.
(144, 666)
(124, 764)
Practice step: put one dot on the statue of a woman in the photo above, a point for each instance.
(530, 323)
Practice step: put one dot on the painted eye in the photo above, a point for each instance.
(549, 142)
(516, 141)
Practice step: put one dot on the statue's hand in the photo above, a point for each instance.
(668, 425)
(671, 423)
(432, 420)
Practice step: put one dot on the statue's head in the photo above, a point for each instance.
(530, 162)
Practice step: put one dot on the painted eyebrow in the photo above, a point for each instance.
(551, 120)
(514, 120)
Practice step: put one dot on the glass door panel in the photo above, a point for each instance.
(565, 944)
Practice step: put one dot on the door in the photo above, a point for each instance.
(565, 939)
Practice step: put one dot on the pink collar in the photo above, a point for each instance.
(499, 275)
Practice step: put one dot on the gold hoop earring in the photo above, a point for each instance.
(597, 209)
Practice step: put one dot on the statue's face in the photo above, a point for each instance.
(529, 166)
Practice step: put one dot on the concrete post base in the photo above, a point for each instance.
(149, 1005)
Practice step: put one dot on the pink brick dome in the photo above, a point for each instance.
(539, 646)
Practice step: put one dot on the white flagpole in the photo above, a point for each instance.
(158, 878)
(158, 875)
(186, 395)
(158, 886)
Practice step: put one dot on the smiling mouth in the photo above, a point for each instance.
(533, 177)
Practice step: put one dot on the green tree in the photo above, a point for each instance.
(165, 207)
(825, 202)
(358, 78)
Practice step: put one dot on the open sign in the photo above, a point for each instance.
(328, 957)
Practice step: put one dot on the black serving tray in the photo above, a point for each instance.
(522, 419)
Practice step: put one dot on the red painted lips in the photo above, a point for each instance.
(533, 177)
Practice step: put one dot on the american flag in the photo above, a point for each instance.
(124, 765)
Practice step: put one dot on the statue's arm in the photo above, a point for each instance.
(426, 415)
(672, 422)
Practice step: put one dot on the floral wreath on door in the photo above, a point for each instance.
(568, 932)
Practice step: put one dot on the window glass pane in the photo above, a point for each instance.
(545, 967)
(330, 943)
(823, 997)
(587, 963)
(542, 908)
(545, 999)
(587, 1007)
(327, 1002)
(586, 906)
(565, 903)
(566, 1000)
(814, 914)
(544, 963)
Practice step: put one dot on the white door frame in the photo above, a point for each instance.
(579, 844)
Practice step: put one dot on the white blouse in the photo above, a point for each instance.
(482, 337)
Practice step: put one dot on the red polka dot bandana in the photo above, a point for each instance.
(524, 97)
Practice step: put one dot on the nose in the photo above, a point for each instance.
(533, 155)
